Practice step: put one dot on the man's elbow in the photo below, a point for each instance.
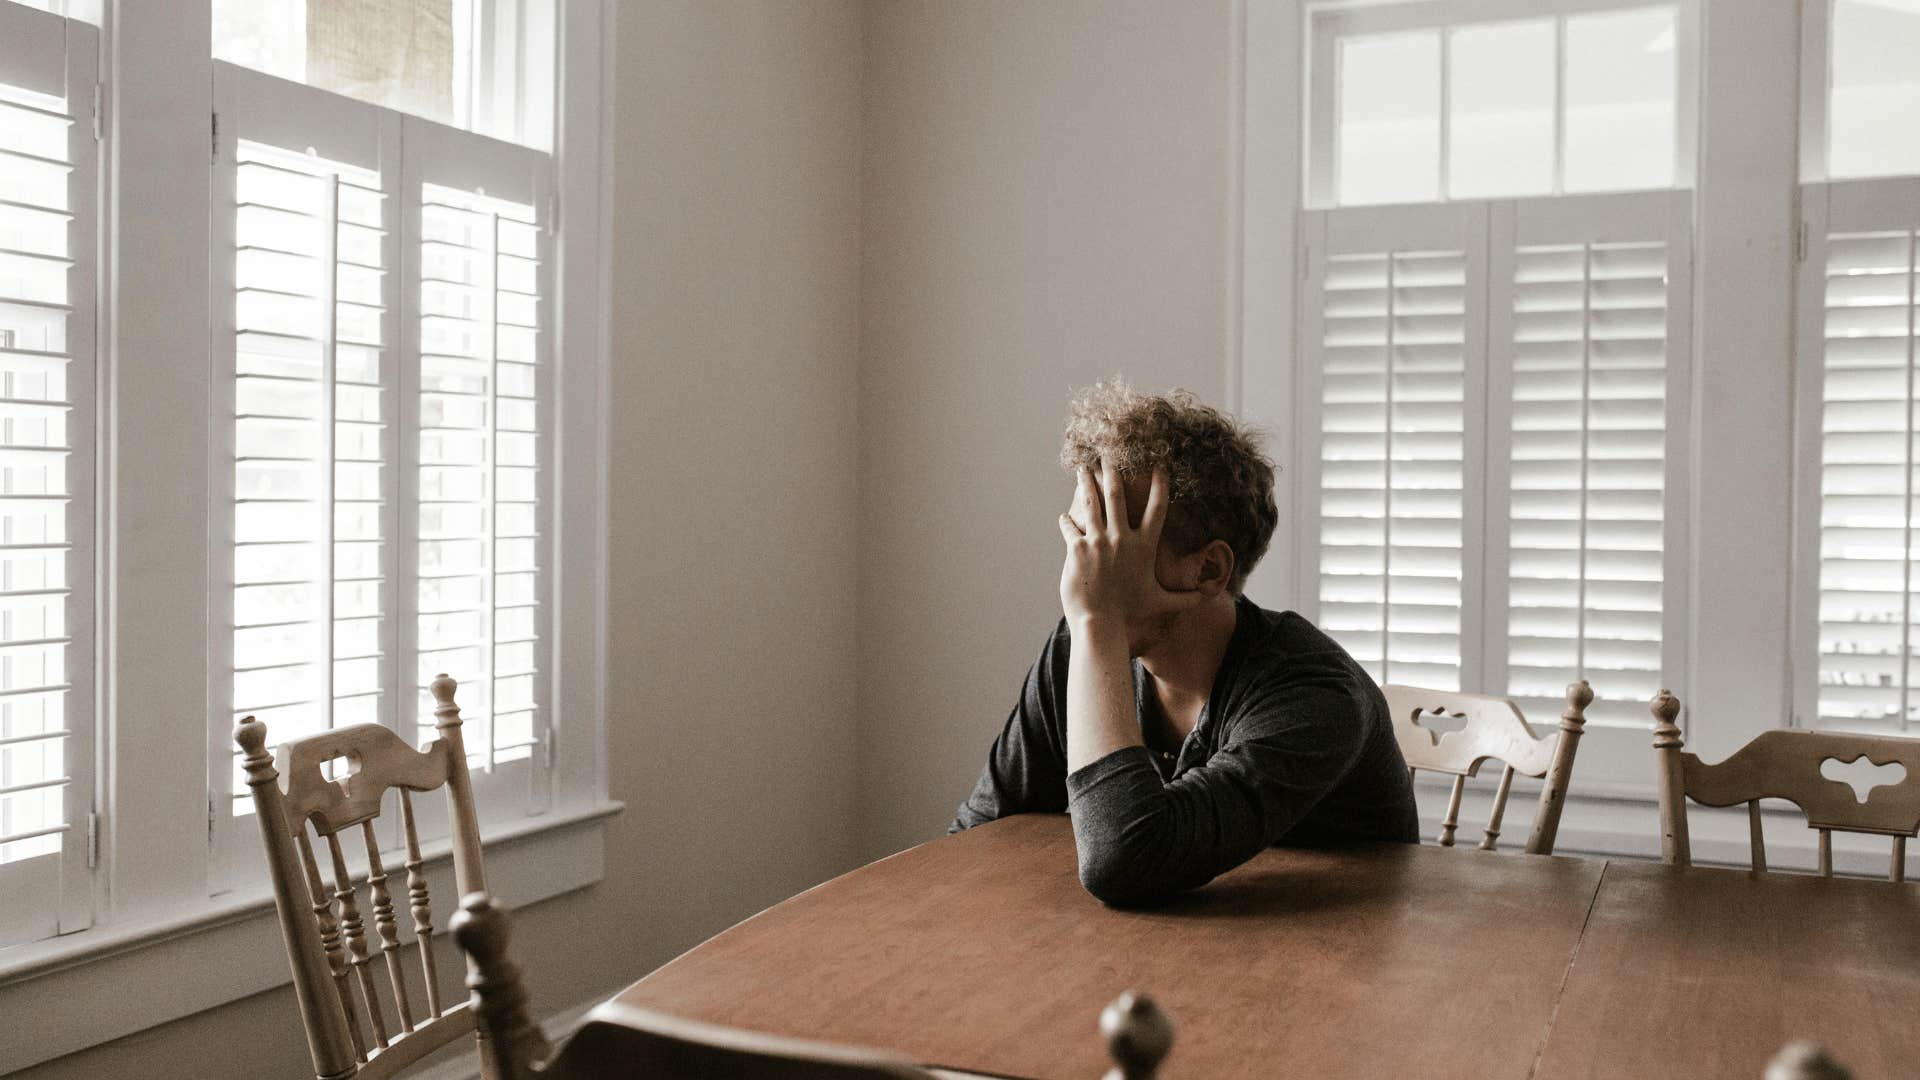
(1117, 881)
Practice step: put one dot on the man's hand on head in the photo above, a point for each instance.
(1108, 575)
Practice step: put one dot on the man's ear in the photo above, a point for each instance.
(1216, 568)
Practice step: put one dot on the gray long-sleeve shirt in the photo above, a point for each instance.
(1294, 746)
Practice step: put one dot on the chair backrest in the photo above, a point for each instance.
(1785, 764)
(616, 1041)
(1493, 729)
(324, 931)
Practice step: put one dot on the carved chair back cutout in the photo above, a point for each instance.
(308, 827)
(619, 1042)
(1787, 764)
(1491, 728)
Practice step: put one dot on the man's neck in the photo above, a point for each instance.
(1183, 665)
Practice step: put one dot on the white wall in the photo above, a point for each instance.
(733, 457)
(1046, 203)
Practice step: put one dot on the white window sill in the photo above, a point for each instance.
(135, 976)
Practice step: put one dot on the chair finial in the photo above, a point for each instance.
(1802, 1060)
(499, 997)
(251, 734)
(1579, 695)
(1666, 709)
(1138, 1036)
(445, 712)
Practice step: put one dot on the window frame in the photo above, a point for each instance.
(159, 902)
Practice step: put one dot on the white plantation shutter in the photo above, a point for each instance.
(48, 214)
(1859, 344)
(1394, 327)
(479, 231)
(305, 257)
(1589, 326)
(1493, 451)
(390, 417)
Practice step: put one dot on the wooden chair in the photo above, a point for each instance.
(1494, 728)
(333, 977)
(618, 1041)
(1802, 1060)
(1785, 764)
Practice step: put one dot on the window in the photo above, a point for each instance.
(1408, 106)
(1854, 640)
(1493, 383)
(326, 416)
(48, 173)
(389, 391)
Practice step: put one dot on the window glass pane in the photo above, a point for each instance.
(1389, 127)
(397, 53)
(480, 65)
(1500, 108)
(1874, 124)
(1620, 101)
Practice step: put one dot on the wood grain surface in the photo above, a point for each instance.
(1706, 973)
(981, 952)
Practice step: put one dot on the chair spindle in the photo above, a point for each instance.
(1899, 872)
(385, 926)
(1452, 820)
(330, 942)
(1826, 852)
(419, 903)
(1492, 838)
(1757, 838)
(356, 938)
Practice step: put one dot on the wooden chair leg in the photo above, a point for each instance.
(1756, 838)
(1452, 820)
(1499, 814)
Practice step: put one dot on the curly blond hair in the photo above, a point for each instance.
(1220, 478)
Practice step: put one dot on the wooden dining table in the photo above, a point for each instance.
(981, 952)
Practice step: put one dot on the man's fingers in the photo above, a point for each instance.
(1114, 493)
(1086, 499)
(1155, 517)
(1068, 530)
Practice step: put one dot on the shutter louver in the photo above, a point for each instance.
(1866, 516)
(1392, 468)
(479, 477)
(1587, 480)
(310, 419)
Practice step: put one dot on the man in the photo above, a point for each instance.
(1183, 727)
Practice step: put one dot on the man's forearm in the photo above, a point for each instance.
(1100, 709)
